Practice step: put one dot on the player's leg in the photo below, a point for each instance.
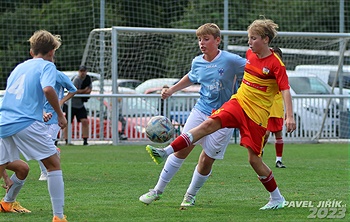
(174, 161)
(16, 181)
(200, 175)
(253, 142)
(38, 145)
(9, 203)
(214, 147)
(228, 116)
(279, 149)
(185, 140)
(266, 139)
(171, 167)
(52, 130)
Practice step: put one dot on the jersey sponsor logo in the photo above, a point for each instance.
(211, 66)
(254, 85)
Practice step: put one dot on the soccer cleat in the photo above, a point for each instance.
(57, 219)
(43, 176)
(274, 204)
(157, 155)
(188, 200)
(279, 164)
(151, 196)
(12, 207)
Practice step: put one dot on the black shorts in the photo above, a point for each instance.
(80, 113)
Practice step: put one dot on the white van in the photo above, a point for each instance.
(309, 112)
(327, 74)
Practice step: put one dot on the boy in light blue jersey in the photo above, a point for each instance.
(217, 72)
(62, 82)
(22, 129)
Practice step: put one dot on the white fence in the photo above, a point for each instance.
(314, 120)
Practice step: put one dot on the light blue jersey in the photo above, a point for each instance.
(62, 82)
(24, 98)
(216, 79)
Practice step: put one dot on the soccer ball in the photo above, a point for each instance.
(159, 129)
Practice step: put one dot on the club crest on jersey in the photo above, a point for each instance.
(221, 71)
(266, 71)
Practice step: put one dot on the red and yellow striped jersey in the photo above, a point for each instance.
(262, 79)
(277, 108)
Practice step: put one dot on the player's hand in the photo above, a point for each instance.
(62, 122)
(47, 116)
(7, 185)
(290, 124)
(165, 93)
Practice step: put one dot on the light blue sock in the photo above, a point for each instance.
(12, 193)
(55, 186)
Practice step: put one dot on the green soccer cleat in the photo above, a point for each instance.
(151, 196)
(188, 201)
(274, 204)
(157, 155)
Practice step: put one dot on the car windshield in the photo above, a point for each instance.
(308, 85)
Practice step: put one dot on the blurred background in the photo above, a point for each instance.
(74, 20)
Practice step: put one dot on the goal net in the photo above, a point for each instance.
(146, 53)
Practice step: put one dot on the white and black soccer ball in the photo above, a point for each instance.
(159, 129)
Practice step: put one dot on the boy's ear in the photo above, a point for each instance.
(218, 40)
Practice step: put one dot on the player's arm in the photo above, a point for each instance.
(183, 83)
(52, 98)
(67, 97)
(287, 99)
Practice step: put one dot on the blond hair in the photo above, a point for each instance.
(264, 27)
(42, 42)
(209, 29)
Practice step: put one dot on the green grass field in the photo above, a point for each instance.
(103, 183)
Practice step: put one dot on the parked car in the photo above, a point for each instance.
(72, 74)
(95, 77)
(126, 83)
(309, 112)
(327, 74)
(155, 83)
(178, 109)
(136, 111)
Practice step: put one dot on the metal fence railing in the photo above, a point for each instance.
(318, 117)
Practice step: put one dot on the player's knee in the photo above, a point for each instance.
(254, 160)
(20, 168)
(210, 125)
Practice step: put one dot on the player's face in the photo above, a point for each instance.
(208, 44)
(256, 42)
